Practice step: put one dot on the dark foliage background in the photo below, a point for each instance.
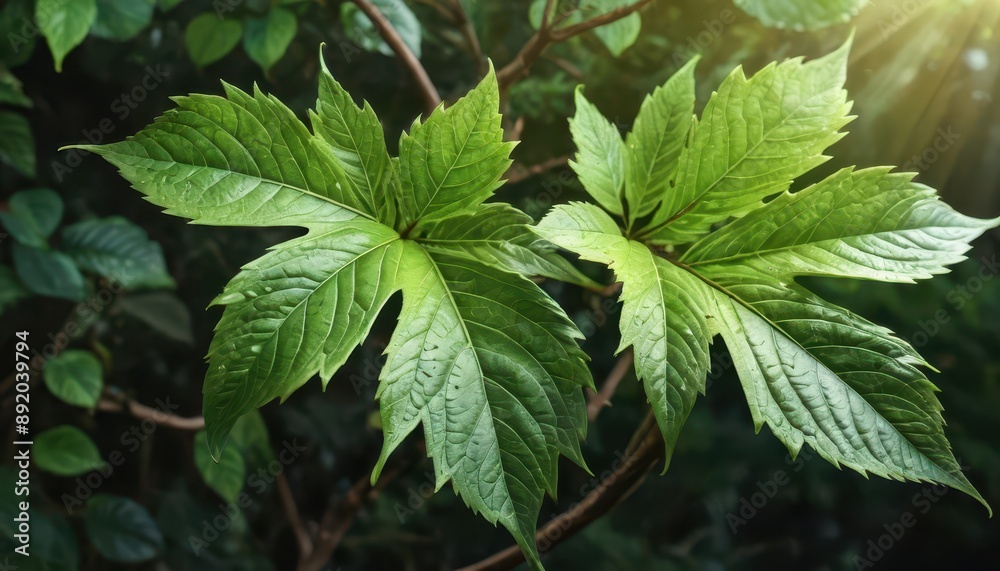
(913, 78)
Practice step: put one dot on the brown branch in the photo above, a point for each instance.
(112, 402)
(292, 513)
(599, 400)
(516, 173)
(431, 97)
(608, 494)
(465, 25)
(549, 34)
(339, 518)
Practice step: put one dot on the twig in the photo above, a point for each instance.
(431, 97)
(111, 402)
(597, 401)
(566, 66)
(608, 494)
(338, 519)
(292, 513)
(516, 173)
(465, 25)
(549, 34)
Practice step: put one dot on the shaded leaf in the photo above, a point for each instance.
(75, 377)
(65, 24)
(122, 530)
(119, 250)
(32, 216)
(48, 273)
(66, 451)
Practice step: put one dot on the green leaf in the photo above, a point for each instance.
(868, 224)
(816, 373)
(66, 451)
(162, 311)
(360, 29)
(801, 15)
(600, 156)
(241, 161)
(32, 216)
(17, 144)
(489, 344)
(75, 377)
(122, 19)
(122, 530)
(266, 38)
(619, 35)
(117, 249)
(454, 160)
(356, 137)
(772, 127)
(497, 235)
(49, 273)
(488, 364)
(225, 477)
(656, 141)
(661, 316)
(12, 290)
(65, 24)
(18, 47)
(53, 545)
(287, 320)
(209, 38)
(10, 88)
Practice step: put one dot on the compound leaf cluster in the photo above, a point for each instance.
(814, 372)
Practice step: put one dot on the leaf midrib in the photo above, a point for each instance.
(260, 178)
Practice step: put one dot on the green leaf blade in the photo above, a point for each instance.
(356, 137)
(209, 38)
(663, 315)
(656, 140)
(49, 273)
(122, 530)
(17, 143)
(242, 161)
(298, 311)
(65, 24)
(867, 224)
(267, 38)
(454, 160)
(75, 377)
(490, 367)
(66, 451)
(772, 129)
(817, 374)
(600, 158)
(119, 250)
(33, 216)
